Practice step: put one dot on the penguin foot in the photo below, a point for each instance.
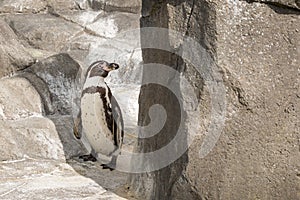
(111, 165)
(106, 166)
(89, 157)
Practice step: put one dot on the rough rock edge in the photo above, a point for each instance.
(295, 7)
(112, 8)
(48, 8)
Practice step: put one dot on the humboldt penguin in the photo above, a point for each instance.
(99, 121)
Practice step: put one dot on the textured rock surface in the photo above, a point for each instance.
(23, 6)
(259, 143)
(13, 55)
(24, 130)
(131, 6)
(32, 179)
(58, 73)
(282, 3)
(254, 46)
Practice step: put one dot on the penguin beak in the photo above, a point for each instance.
(113, 66)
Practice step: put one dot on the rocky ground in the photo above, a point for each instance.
(48, 179)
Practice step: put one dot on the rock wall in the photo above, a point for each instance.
(254, 46)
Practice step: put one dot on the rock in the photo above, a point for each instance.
(13, 55)
(257, 63)
(64, 127)
(59, 73)
(10, 149)
(12, 107)
(34, 30)
(22, 6)
(57, 5)
(109, 25)
(35, 137)
(38, 179)
(132, 6)
(39, 6)
(75, 32)
(281, 3)
(25, 131)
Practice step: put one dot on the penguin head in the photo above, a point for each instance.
(101, 68)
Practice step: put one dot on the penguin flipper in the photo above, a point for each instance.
(77, 128)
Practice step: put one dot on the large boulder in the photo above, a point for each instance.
(25, 132)
(54, 79)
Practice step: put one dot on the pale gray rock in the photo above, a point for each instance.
(25, 132)
(39, 179)
(57, 5)
(36, 6)
(110, 25)
(34, 136)
(12, 106)
(22, 6)
(13, 55)
(43, 31)
(131, 6)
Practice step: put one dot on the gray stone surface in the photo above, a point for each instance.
(43, 31)
(36, 6)
(22, 6)
(58, 73)
(131, 6)
(255, 47)
(24, 130)
(13, 55)
(280, 3)
(47, 179)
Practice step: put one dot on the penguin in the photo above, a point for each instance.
(99, 123)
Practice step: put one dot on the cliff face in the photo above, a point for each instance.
(253, 45)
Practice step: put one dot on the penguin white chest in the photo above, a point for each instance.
(94, 123)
